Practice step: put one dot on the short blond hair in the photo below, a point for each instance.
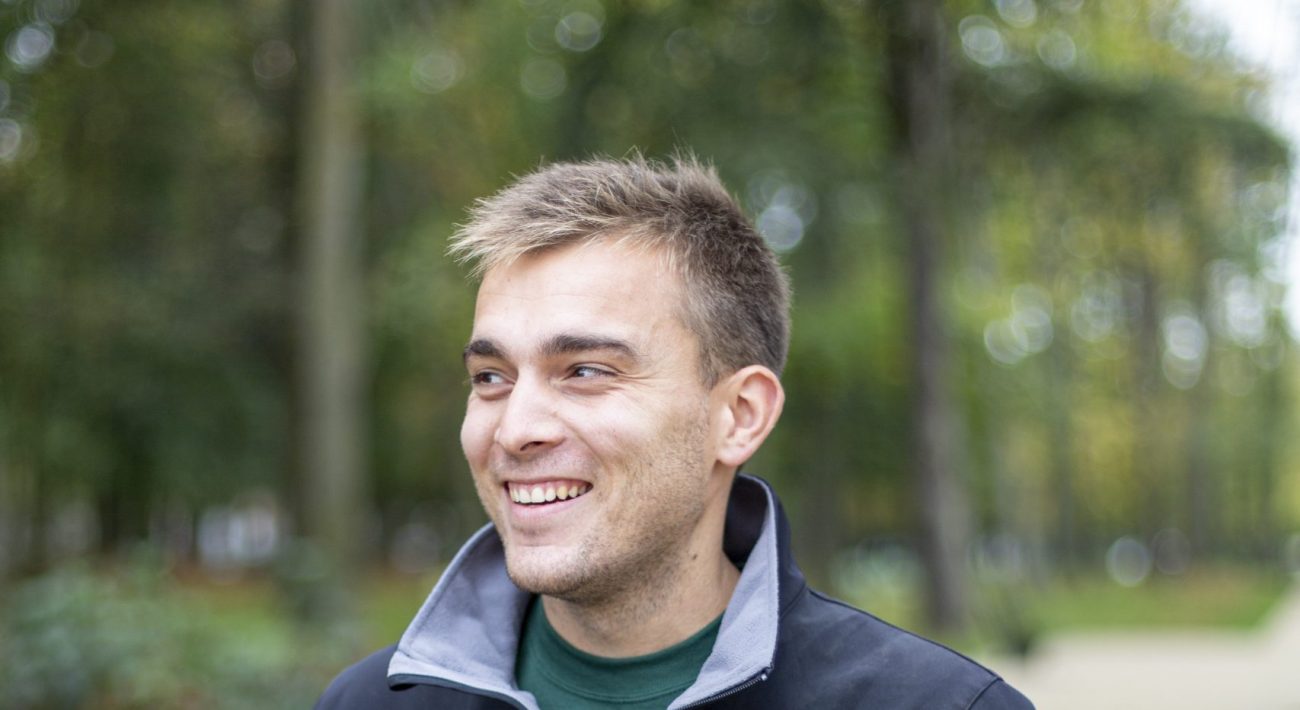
(737, 299)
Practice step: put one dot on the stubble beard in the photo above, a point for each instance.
(636, 556)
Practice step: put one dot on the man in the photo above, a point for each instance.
(628, 337)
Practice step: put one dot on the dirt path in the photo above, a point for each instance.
(1188, 670)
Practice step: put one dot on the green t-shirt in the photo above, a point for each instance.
(561, 676)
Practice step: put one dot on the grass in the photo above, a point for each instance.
(1223, 597)
(1015, 617)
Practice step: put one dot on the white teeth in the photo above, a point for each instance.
(538, 494)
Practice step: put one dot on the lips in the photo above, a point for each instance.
(542, 492)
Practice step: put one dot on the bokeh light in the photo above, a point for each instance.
(30, 45)
(543, 79)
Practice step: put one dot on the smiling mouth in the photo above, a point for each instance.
(548, 492)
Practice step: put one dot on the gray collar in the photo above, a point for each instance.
(467, 633)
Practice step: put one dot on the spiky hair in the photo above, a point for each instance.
(737, 297)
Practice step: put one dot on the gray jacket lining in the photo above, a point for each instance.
(467, 632)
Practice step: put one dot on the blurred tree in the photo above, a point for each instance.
(125, 381)
(920, 67)
(1118, 154)
(1102, 206)
(331, 332)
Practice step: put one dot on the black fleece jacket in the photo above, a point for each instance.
(826, 653)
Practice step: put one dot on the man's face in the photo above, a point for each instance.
(585, 382)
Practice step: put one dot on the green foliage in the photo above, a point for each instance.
(76, 638)
(1115, 185)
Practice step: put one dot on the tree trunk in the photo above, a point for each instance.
(919, 88)
(819, 529)
(279, 329)
(1061, 439)
(1150, 442)
(36, 557)
(1058, 412)
(1197, 437)
(330, 330)
(1274, 423)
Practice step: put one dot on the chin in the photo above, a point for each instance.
(551, 571)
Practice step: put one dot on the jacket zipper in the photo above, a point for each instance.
(753, 680)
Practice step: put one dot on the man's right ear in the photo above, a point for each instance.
(752, 403)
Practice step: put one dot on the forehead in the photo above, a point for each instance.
(607, 287)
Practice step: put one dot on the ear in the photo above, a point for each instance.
(752, 399)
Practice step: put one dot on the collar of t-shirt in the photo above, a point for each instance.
(561, 676)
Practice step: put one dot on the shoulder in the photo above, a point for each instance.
(362, 685)
(848, 653)
(365, 685)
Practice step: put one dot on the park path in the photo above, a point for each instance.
(1187, 670)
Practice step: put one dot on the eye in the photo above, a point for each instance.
(487, 378)
(590, 371)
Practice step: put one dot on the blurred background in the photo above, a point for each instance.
(1043, 378)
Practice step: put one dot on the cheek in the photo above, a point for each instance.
(676, 430)
(614, 435)
(476, 436)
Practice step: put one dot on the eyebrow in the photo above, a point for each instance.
(482, 347)
(563, 344)
(568, 344)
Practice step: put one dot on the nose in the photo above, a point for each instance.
(529, 425)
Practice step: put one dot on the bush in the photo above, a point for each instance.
(74, 638)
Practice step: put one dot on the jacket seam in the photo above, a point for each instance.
(803, 591)
(413, 679)
(984, 690)
(959, 654)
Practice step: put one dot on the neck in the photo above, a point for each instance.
(688, 591)
(635, 625)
